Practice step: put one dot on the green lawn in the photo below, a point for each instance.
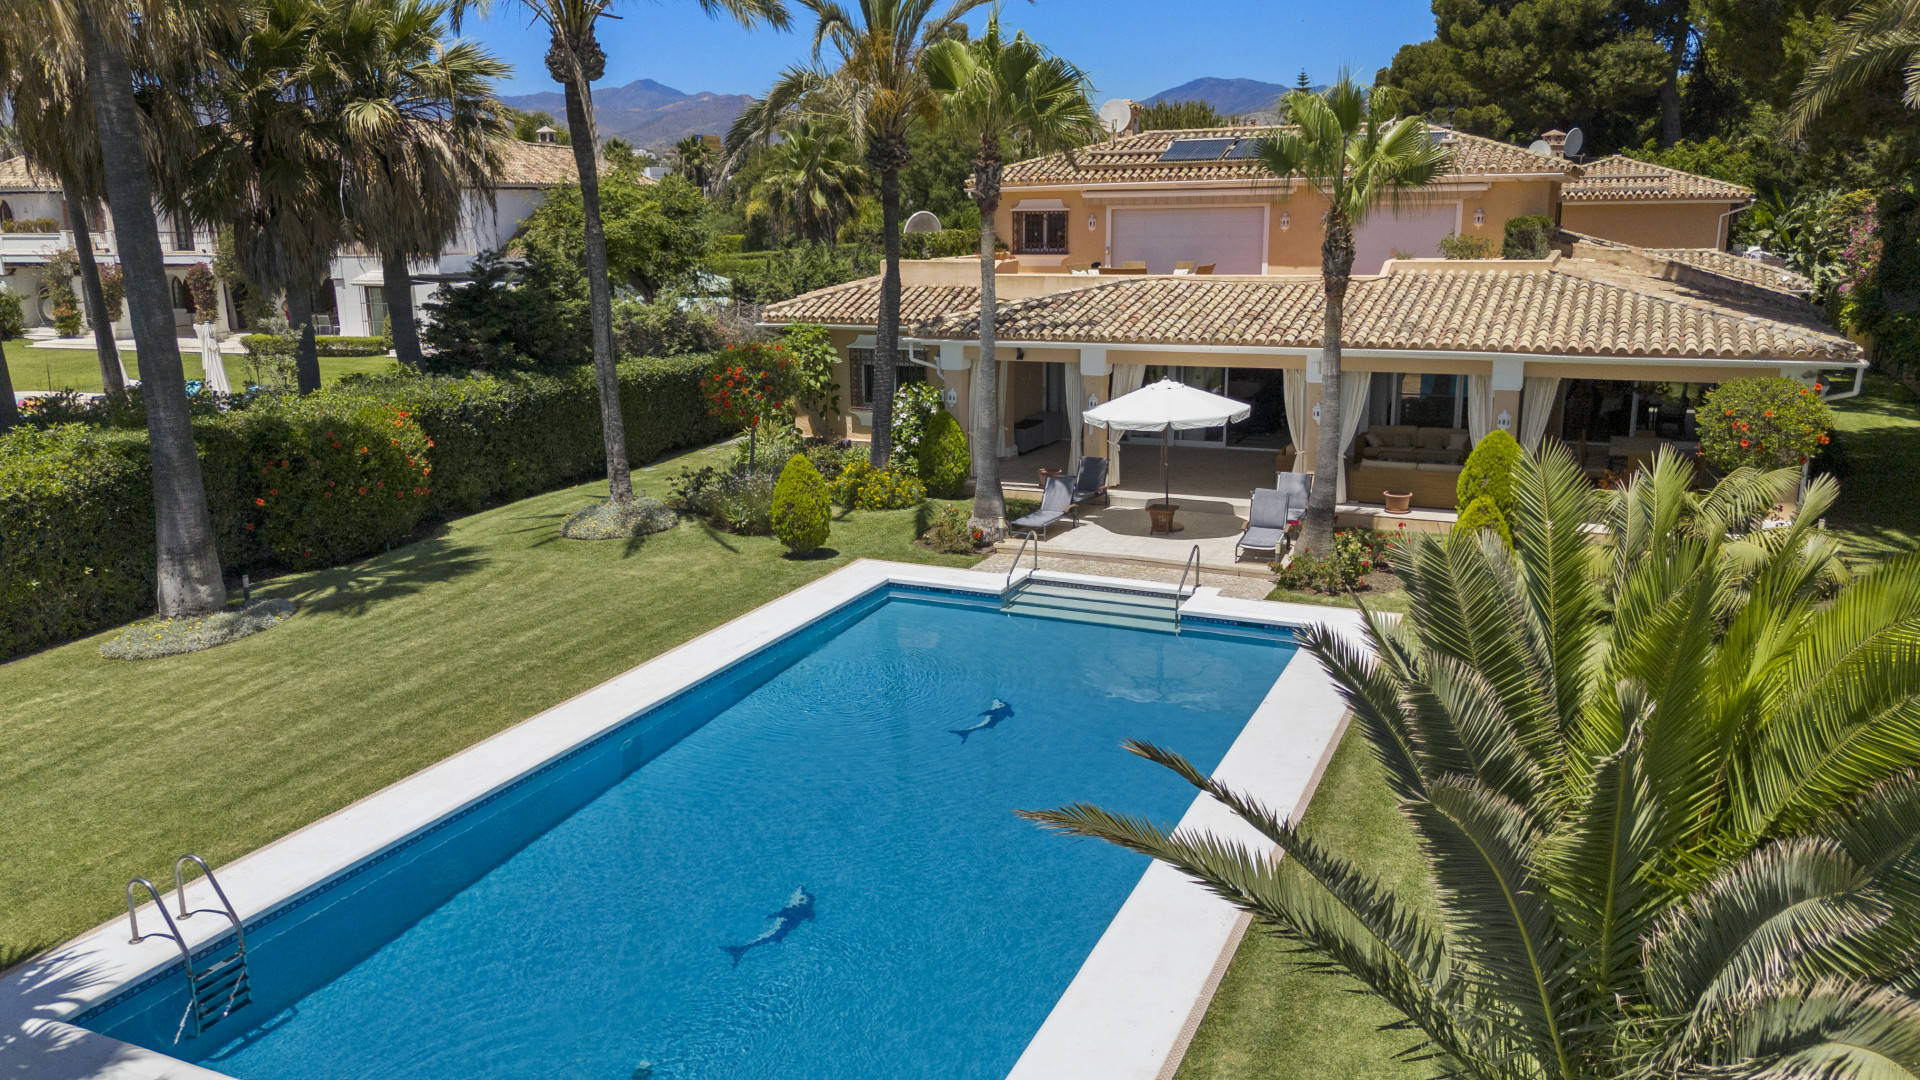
(1878, 514)
(1273, 1020)
(79, 369)
(110, 769)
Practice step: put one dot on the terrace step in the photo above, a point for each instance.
(1099, 606)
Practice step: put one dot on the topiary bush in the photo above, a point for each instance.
(13, 320)
(1483, 513)
(941, 461)
(1769, 423)
(1488, 472)
(1527, 238)
(802, 515)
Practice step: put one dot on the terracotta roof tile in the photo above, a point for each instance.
(1134, 159)
(1738, 267)
(1622, 179)
(17, 175)
(525, 164)
(857, 303)
(1521, 311)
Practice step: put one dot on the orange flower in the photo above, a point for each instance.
(283, 464)
(259, 502)
(363, 491)
(1743, 444)
(249, 526)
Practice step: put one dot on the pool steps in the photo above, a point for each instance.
(1073, 602)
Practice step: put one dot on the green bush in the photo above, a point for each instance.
(13, 321)
(802, 516)
(324, 344)
(913, 407)
(1527, 238)
(1768, 423)
(1356, 552)
(950, 533)
(284, 477)
(941, 461)
(1483, 513)
(1456, 246)
(510, 317)
(1488, 472)
(860, 486)
(666, 328)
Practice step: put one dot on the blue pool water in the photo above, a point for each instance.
(801, 869)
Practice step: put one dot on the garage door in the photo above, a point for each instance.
(1415, 231)
(1229, 237)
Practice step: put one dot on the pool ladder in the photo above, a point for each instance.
(219, 985)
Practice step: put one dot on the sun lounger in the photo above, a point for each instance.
(1266, 523)
(1055, 503)
(1090, 482)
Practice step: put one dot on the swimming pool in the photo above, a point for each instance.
(805, 865)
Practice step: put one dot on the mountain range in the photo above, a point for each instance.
(654, 117)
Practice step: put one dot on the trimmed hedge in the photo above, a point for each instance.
(324, 345)
(307, 482)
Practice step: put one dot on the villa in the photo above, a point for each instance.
(38, 224)
(1172, 254)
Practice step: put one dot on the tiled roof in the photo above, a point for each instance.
(17, 175)
(1622, 179)
(525, 164)
(1134, 159)
(1522, 311)
(857, 303)
(1740, 268)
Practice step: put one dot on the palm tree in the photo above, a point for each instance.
(1666, 794)
(697, 160)
(575, 60)
(188, 578)
(53, 129)
(997, 92)
(1878, 38)
(271, 162)
(423, 127)
(880, 87)
(1345, 144)
(812, 182)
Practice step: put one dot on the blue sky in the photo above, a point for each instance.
(1133, 48)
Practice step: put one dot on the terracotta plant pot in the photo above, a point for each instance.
(1398, 502)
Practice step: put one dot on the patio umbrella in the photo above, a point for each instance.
(1167, 407)
(211, 362)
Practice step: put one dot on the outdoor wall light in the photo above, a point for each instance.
(1093, 222)
(953, 397)
(1286, 221)
(1505, 421)
(1093, 401)
(1479, 216)
(1316, 412)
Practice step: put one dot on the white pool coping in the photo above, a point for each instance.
(1128, 1013)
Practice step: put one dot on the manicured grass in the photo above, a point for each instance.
(110, 769)
(1878, 514)
(79, 369)
(1275, 1020)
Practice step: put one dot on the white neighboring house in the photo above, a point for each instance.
(527, 170)
(37, 224)
(356, 305)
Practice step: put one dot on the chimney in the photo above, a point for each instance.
(546, 134)
(1556, 141)
(1133, 120)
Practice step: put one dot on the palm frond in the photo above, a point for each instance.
(1831, 1030)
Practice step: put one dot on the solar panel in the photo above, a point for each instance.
(1242, 150)
(1196, 149)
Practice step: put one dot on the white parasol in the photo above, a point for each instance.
(1166, 407)
(212, 365)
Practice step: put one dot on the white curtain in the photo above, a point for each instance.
(1295, 384)
(213, 368)
(1076, 403)
(1537, 396)
(1355, 387)
(1479, 407)
(1126, 379)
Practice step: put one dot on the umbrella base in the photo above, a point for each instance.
(1161, 516)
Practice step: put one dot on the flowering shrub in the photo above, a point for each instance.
(861, 486)
(1356, 552)
(914, 407)
(752, 387)
(1766, 423)
(204, 292)
(950, 533)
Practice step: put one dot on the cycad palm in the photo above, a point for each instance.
(880, 88)
(998, 91)
(812, 182)
(422, 129)
(1878, 38)
(575, 59)
(1666, 795)
(1346, 145)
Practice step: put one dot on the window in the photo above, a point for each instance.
(1042, 232)
(1433, 401)
(182, 234)
(180, 298)
(374, 305)
(904, 372)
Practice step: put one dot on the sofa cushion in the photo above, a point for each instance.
(1384, 464)
(1372, 440)
(1438, 466)
(1431, 438)
(1457, 441)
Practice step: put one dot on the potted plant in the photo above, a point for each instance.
(1398, 502)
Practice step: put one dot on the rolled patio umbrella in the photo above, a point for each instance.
(211, 363)
(1167, 407)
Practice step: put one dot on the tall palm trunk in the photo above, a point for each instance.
(396, 285)
(1336, 267)
(188, 580)
(96, 299)
(989, 499)
(599, 291)
(306, 353)
(886, 335)
(9, 409)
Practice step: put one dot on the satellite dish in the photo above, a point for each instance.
(1540, 146)
(922, 221)
(1575, 140)
(1116, 114)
